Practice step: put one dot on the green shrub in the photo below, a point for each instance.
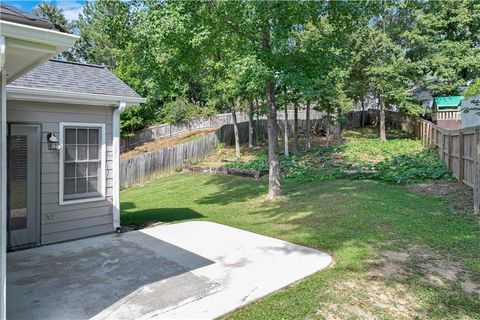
(404, 168)
(181, 110)
(398, 161)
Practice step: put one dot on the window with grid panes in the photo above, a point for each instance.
(82, 162)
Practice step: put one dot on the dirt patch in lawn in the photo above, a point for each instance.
(459, 195)
(165, 143)
(431, 267)
(387, 289)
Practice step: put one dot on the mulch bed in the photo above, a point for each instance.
(223, 170)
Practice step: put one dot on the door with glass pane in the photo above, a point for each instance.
(23, 185)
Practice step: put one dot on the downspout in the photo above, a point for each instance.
(116, 164)
(3, 47)
(3, 179)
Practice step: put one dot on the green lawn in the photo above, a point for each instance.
(398, 254)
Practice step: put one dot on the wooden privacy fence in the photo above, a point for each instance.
(171, 129)
(459, 150)
(143, 167)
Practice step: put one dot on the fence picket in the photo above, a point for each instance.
(467, 168)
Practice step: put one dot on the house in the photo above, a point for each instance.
(59, 139)
(446, 112)
(470, 111)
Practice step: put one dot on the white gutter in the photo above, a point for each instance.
(57, 96)
(116, 164)
(61, 40)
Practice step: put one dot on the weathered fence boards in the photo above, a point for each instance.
(141, 168)
(145, 166)
(459, 150)
(170, 130)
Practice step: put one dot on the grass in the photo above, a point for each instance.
(364, 224)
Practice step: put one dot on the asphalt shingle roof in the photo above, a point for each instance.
(12, 14)
(74, 77)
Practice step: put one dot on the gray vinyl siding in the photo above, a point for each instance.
(69, 221)
(3, 214)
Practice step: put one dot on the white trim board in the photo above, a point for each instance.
(103, 162)
(61, 40)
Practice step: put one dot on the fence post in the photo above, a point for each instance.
(450, 149)
(476, 182)
(461, 152)
(441, 146)
(427, 134)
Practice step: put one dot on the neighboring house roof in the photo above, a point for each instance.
(57, 76)
(12, 14)
(421, 93)
(471, 102)
(451, 102)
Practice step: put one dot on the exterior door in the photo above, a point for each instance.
(23, 185)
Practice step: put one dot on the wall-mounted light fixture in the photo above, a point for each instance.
(52, 142)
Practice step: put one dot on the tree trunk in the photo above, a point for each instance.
(236, 133)
(286, 123)
(274, 185)
(381, 116)
(327, 130)
(295, 128)
(363, 112)
(257, 107)
(308, 133)
(250, 124)
(337, 126)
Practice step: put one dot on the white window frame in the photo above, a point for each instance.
(103, 158)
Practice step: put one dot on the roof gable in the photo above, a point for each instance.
(56, 75)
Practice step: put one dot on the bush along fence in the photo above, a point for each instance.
(143, 167)
(459, 150)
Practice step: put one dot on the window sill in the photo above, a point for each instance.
(67, 202)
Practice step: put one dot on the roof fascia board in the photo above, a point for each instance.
(44, 95)
(58, 39)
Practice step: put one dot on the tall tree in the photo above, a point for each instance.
(56, 15)
(52, 13)
(444, 38)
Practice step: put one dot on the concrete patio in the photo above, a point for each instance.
(186, 270)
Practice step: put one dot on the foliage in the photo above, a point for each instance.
(399, 160)
(443, 39)
(53, 14)
(182, 110)
(136, 118)
(288, 165)
(472, 89)
(56, 15)
(404, 168)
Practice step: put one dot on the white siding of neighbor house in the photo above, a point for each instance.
(68, 221)
(471, 118)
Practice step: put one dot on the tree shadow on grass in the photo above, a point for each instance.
(154, 215)
(233, 189)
